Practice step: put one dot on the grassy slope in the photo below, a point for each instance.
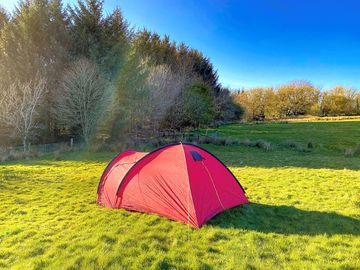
(305, 211)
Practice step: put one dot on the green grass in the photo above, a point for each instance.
(304, 211)
(328, 135)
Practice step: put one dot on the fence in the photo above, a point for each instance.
(44, 148)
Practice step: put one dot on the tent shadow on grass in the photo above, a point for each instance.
(286, 220)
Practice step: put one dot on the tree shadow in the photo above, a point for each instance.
(285, 220)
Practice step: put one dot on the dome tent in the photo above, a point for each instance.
(179, 181)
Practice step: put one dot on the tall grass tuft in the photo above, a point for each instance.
(219, 141)
(357, 150)
(263, 145)
(352, 151)
(205, 140)
(14, 155)
(246, 142)
(297, 146)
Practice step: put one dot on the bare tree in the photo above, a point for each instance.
(164, 90)
(19, 108)
(84, 95)
(143, 96)
(163, 87)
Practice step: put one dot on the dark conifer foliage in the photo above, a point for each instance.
(34, 41)
(204, 69)
(3, 17)
(152, 82)
(102, 39)
(86, 27)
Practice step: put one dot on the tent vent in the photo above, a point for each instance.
(196, 156)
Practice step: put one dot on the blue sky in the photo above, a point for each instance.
(259, 42)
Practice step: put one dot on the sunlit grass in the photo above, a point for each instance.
(304, 214)
(310, 118)
(325, 135)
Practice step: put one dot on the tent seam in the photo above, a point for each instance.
(190, 191)
(212, 181)
(139, 161)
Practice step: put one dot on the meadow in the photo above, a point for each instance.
(304, 211)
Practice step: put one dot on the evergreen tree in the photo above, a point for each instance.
(42, 39)
(204, 69)
(103, 40)
(34, 43)
(117, 42)
(128, 106)
(4, 18)
(86, 29)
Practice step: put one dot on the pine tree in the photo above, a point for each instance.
(86, 29)
(34, 43)
(4, 18)
(103, 40)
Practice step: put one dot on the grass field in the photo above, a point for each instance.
(304, 211)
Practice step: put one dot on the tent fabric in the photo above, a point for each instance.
(181, 182)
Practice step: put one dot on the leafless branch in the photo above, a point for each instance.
(83, 97)
(19, 107)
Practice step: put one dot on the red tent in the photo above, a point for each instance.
(180, 181)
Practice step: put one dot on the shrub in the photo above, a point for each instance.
(263, 145)
(205, 140)
(160, 142)
(101, 147)
(236, 142)
(350, 152)
(290, 144)
(258, 143)
(230, 142)
(301, 148)
(297, 146)
(357, 150)
(13, 155)
(246, 142)
(219, 141)
(57, 155)
(34, 154)
(2, 150)
(16, 155)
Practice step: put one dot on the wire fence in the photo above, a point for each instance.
(10, 153)
(43, 148)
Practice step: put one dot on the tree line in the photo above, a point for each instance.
(76, 71)
(297, 98)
